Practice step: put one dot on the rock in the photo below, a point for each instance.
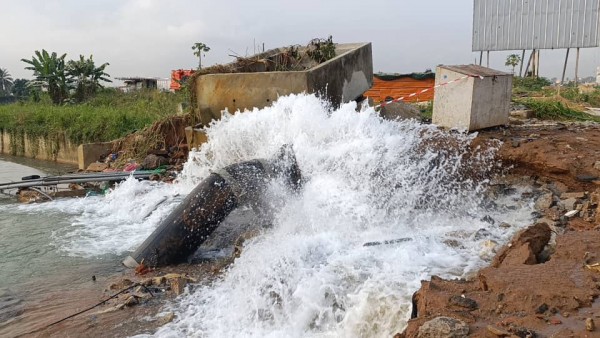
(166, 319)
(569, 203)
(153, 161)
(481, 234)
(131, 301)
(586, 178)
(516, 144)
(498, 332)
(555, 321)
(522, 114)
(462, 301)
(97, 167)
(177, 285)
(399, 111)
(542, 308)
(575, 195)
(590, 325)
(505, 225)
(597, 165)
(444, 327)
(526, 247)
(544, 202)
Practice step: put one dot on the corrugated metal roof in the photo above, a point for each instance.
(535, 24)
(475, 70)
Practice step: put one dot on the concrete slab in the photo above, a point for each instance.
(341, 79)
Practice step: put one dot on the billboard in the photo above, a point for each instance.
(534, 24)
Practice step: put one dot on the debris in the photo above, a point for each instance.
(463, 301)
(97, 167)
(590, 325)
(497, 331)
(177, 285)
(571, 213)
(593, 267)
(444, 327)
(166, 319)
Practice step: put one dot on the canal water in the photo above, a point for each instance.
(408, 188)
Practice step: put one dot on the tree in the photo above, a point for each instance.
(6, 81)
(50, 74)
(20, 88)
(198, 49)
(86, 76)
(513, 60)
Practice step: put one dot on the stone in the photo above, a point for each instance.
(597, 165)
(575, 195)
(399, 111)
(462, 301)
(444, 327)
(516, 144)
(522, 114)
(177, 285)
(569, 204)
(166, 319)
(498, 331)
(505, 225)
(544, 202)
(590, 325)
(97, 167)
(153, 161)
(131, 301)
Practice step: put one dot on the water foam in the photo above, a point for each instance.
(366, 180)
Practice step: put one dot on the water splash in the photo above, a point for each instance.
(366, 180)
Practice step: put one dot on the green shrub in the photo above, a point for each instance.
(555, 110)
(108, 116)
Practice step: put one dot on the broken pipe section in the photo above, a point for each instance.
(201, 212)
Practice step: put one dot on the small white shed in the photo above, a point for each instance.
(479, 98)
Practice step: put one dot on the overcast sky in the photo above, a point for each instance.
(152, 37)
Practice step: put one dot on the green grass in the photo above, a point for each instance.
(108, 116)
(555, 110)
(529, 85)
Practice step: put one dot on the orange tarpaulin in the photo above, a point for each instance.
(178, 76)
(401, 86)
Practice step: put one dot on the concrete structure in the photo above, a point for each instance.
(91, 152)
(479, 101)
(341, 79)
(59, 149)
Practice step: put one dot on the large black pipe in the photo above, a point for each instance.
(201, 212)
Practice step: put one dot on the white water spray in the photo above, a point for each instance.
(366, 180)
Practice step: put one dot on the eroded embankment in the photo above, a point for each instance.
(545, 282)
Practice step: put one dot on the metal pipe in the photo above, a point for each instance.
(201, 212)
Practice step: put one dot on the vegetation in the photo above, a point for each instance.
(58, 77)
(21, 89)
(108, 116)
(513, 60)
(556, 110)
(198, 49)
(86, 76)
(321, 50)
(6, 82)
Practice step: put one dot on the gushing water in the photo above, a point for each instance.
(366, 180)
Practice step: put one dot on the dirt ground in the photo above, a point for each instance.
(533, 287)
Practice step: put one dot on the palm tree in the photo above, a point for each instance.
(199, 48)
(87, 76)
(20, 89)
(50, 73)
(6, 81)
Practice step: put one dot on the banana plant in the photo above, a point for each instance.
(50, 74)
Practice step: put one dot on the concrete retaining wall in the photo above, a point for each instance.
(60, 149)
(341, 79)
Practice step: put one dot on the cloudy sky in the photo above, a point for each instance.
(151, 37)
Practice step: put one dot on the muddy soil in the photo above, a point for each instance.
(546, 281)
